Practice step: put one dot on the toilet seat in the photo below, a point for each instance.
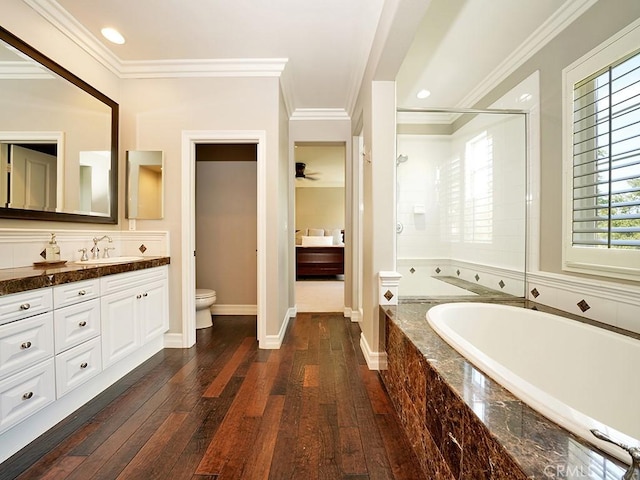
(202, 293)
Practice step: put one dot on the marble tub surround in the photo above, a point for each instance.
(21, 248)
(20, 279)
(464, 425)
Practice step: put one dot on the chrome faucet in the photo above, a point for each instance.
(633, 472)
(95, 250)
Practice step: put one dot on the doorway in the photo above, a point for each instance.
(189, 141)
(320, 212)
(226, 225)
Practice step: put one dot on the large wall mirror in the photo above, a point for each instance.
(58, 141)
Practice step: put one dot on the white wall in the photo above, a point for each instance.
(159, 110)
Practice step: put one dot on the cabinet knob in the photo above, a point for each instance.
(27, 395)
(25, 306)
(82, 292)
(145, 294)
(138, 296)
(25, 345)
(82, 324)
(84, 365)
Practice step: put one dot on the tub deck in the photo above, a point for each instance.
(462, 424)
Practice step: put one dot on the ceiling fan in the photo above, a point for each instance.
(300, 173)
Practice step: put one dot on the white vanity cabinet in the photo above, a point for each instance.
(134, 310)
(62, 345)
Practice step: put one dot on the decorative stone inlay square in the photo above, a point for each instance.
(388, 295)
(438, 270)
(477, 277)
(535, 293)
(142, 248)
(413, 270)
(502, 284)
(583, 305)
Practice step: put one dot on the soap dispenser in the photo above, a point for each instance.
(53, 250)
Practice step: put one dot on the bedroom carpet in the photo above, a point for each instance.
(320, 296)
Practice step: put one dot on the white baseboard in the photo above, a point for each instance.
(173, 340)
(274, 342)
(234, 309)
(356, 316)
(375, 360)
(347, 312)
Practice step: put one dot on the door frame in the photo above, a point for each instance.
(189, 141)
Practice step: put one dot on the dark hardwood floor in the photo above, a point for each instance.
(226, 410)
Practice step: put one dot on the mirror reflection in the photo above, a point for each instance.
(144, 184)
(58, 141)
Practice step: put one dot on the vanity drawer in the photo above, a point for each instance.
(75, 292)
(77, 365)
(25, 304)
(125, 281)
(76, 324)
(25, 393)
(25, 342)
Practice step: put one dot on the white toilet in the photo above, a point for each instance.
(204, 299)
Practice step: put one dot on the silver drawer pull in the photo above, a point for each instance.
(138, 296)
(82, 292)
(25, 306)
(27, 395)
(84, 365)
(82, 324)
(25, 345)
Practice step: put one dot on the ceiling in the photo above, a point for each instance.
(323, 46)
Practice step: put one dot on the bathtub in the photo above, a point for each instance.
(577, 375)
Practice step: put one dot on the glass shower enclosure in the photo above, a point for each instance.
(461, 193)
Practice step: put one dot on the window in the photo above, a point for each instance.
(602, 160)
(478, 189)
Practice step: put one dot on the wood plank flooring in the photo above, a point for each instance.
(225, 409)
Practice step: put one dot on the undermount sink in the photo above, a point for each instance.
(109, 261)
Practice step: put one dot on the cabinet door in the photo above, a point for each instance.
(120, 326)
(154, 315)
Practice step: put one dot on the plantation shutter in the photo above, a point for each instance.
(606, 157)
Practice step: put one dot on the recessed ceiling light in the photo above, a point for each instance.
(423, 93)
(113, 35)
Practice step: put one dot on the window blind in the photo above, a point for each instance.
(606, 157)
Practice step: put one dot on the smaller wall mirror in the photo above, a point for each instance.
(145, 184)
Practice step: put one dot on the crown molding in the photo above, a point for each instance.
(228, 67)
(23, 71)
(560, 20)
(69, 26)
(320, 114)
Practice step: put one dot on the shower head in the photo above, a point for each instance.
(401, 159)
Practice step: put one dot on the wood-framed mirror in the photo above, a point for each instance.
(58, 141)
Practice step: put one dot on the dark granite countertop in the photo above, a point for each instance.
(543, 449)
(21, 279)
